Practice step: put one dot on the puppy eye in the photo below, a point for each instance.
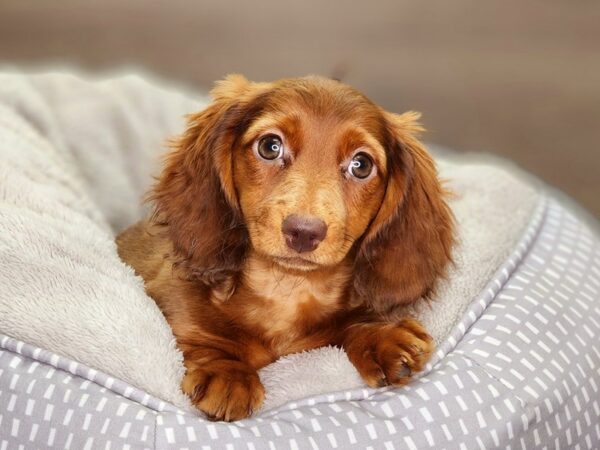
(361, 166)
(270, 147)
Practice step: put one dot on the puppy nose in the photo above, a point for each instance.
(303, 233)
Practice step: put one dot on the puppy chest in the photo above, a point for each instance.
(285, 313)
(280, 309)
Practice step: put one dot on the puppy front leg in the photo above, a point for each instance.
(219, 382)
(387, 353)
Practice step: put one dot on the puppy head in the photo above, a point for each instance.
(310, 172)
(307, 172)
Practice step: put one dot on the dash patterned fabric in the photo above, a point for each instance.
(521, 370)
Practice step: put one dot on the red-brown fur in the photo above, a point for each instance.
(214, 259)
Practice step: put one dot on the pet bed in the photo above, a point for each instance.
(88, 361)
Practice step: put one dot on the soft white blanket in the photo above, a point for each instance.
(75, 159)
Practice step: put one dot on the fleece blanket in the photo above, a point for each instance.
(76, 156)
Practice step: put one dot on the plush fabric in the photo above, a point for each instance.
(519, 370)
(75, 159)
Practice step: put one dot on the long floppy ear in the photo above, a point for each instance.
(408, 244)
(194, 196)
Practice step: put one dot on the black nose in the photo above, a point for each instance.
(303, 233)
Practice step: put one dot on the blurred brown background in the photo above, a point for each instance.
(518, 78)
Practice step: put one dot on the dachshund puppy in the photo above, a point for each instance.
(289, 216)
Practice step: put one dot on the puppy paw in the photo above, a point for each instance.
(388, 354)
(225, 393)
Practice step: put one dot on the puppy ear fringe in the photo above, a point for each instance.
(232, 87)
(407, 248)
(194, 201)
(408, 122)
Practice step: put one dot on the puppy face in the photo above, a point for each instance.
(306, 172)
(310, 172)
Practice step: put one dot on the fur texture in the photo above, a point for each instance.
(237, 292)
